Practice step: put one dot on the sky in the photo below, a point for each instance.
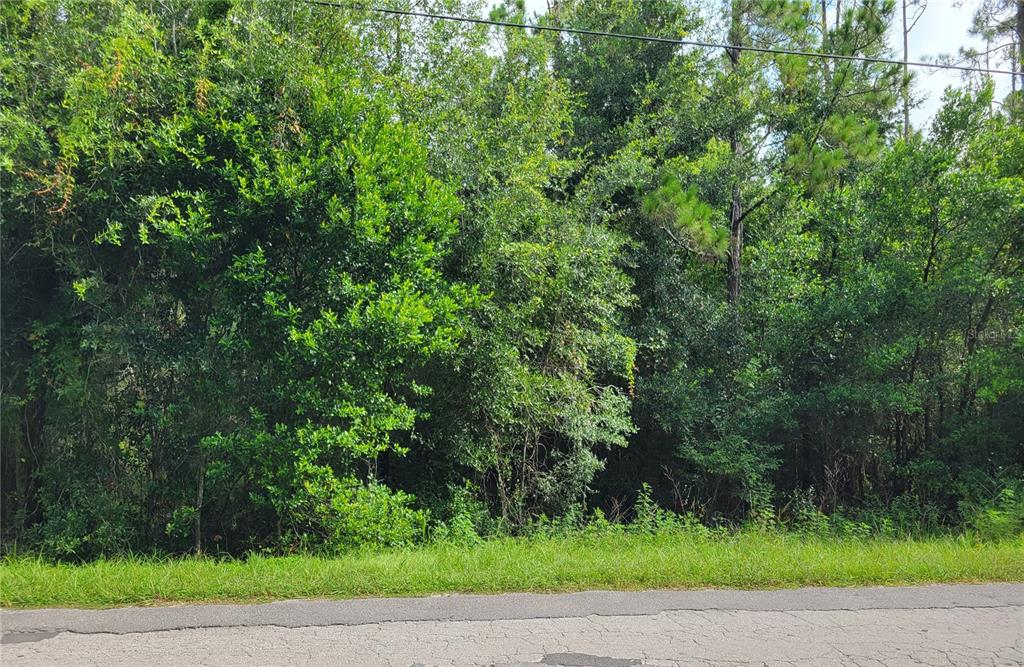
(942, 29)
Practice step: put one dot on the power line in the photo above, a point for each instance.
(652, 38)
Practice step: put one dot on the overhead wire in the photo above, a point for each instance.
(656, 39)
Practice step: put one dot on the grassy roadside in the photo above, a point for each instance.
(744, 560)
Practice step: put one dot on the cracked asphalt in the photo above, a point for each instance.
(925, 625)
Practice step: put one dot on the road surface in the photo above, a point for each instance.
(927, 625)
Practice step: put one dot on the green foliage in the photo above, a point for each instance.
(672, 206)
(612, 76)
(83, 520)
(255, 245)
(606, 562)
(539, 389)
(282, 277)
(650, 518)
(466, 519)
(1000, 518)
(342, 514)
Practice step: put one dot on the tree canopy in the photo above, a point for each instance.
(279, 275)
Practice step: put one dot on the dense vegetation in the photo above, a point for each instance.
(623, 560)
(283, 276)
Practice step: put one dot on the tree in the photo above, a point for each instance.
(1000, 23)
(539, 390)
(245, 252)
(287, 276)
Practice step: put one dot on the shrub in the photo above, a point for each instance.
(465, 518)
(650, 518)
(807, 518)
(344, 514)
(83, 520)
(1001, 518)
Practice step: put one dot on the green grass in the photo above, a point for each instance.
(744, 560)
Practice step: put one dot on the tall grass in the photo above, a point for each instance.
(747, 559)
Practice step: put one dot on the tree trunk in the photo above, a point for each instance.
(906, 74)
(734, 266)
(197, 525)
(825, 46)
(1020, 43)
(735, 241)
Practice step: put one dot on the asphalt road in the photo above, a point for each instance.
(927, 625)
